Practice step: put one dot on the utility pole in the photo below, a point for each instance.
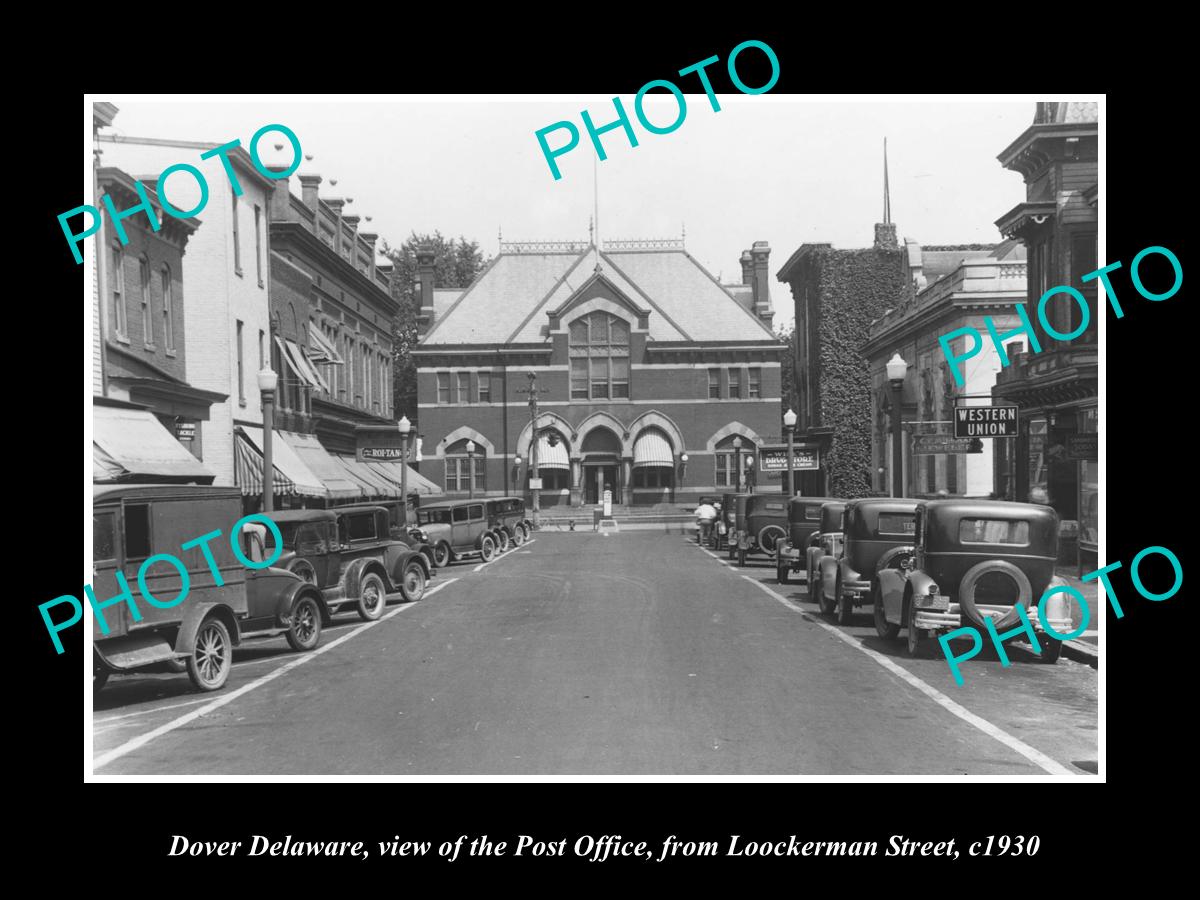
(532, 390)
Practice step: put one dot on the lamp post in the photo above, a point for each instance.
(267, 382)
(533, 448)
(750, 473)
(896, 369)
(470, 470)
(737, 461)
(405, 427)
(683, 458)
(516, 472)
(789, 427)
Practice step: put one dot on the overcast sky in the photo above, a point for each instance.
(783, 169)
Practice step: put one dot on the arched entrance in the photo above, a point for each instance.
(600, 455)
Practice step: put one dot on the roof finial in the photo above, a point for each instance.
(683, 236)
(591, 229)
(596, 198)
(887, 197)
(499, 233)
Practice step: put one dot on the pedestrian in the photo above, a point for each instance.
(706, 514)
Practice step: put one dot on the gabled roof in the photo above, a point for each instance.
(510, 301)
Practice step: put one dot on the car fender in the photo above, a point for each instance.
(891, 592)
(353, 574)
(919, 582)
(885, 561)
(812, 556)
(402, 564)
(828, 569)
(847, 573)
(185, 640)
(292, 595)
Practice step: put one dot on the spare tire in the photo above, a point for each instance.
(768, 536)
(889, 559)
(970, 583)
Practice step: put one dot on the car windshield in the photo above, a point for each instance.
(434, 516)
(288, 530)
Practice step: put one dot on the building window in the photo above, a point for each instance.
(599, 349)
(237, 241)
(726, 474)
(147, 313)
(714, 384)
(118, 292)
(755, 384)
(726, 461)
(240, 366)
(168, 310)
(931, 473)
(653, 477)
(443, 387)
(258, 243)
(461, 469)
(464, 387)
(735, 384)
(485, 387)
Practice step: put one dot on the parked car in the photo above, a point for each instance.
(804, 520)
(974, 559)
(458, 529)
(825, 541)
(876, 534)
(761, 525)
(412, 536)
(349, 554)
(131, 523)
(508, 521)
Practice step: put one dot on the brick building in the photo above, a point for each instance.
(838, 294)
(647, 368)
(1053, 461)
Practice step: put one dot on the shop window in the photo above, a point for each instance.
(1038, 471)
(555, 479)
(599, 352)
(653, 477)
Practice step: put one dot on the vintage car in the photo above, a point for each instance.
(506, 517)
(804, 520)
(876, 534)
(825, 541)
(974, 559)
(397, 530)
(458, 529)
(762, 523)
(132, 523)
(349, 554)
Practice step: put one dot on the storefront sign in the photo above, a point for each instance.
(774, 459)
(985, 421)
(396, 453)
(535, 484)
(185, 431)
(1083, 446)
(382, 442)
(940, 443)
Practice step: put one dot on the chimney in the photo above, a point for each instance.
(747, 268)
(425, 257)
(885, 236)
(352, 221)
(277, 203)
(336, 205)
(308, 190)
(370, 239)
(760, 254)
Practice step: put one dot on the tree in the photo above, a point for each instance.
(455, 265)
(790, 396)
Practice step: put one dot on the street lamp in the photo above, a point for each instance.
(267, 382)
(789, 427)
(470, 470)
(405, 427)
(737, 461)
(750, 473)
(896, 369)
(683, 458)
(516, 473)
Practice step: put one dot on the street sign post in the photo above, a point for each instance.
(998, 420)
(940, 443)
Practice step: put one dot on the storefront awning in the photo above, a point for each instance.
(321, 349)
(552, 457)
(322, 464)
(134, 446)
(299, 364)
(286, 462)
(652, 449)
(374, 485)
(417, 483)
(248, 470)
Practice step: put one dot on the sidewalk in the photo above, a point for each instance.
(1084, 648)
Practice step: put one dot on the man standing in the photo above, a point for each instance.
(706, 514)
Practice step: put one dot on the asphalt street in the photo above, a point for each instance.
(634, 653)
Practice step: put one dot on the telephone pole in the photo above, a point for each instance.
(534, 440)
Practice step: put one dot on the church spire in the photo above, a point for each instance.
(887, 197)
(885, 231)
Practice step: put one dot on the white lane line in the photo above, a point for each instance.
(505, 555)
(1033, 755)
(141, 740)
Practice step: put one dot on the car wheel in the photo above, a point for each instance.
(741, 556)
(305, 630)
(487, 549)
(1051, 649)
(889, 631)
(845, 606)
(212, 657)
(305, 570)
(825, 604)
(781, 572)
(918, 644)
(518, 536)
(412, 586)
(502, 537)
(441, 555)
(372, 597)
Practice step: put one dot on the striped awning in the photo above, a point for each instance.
(322, 464)
(248, 469)
(299, 364)
(652, 449)
(286, 463)
(374, 485)
(321, 349)
(553, 457)
(417, 483)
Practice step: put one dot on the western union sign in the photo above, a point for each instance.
(985, 421)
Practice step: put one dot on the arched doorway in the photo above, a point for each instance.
(653, 467)
(601, 465)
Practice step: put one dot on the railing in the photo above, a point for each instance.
(542, 246)
(645, 244)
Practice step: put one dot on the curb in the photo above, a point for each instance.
(1081, 652)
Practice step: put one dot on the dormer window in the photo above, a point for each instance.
(599, 349)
